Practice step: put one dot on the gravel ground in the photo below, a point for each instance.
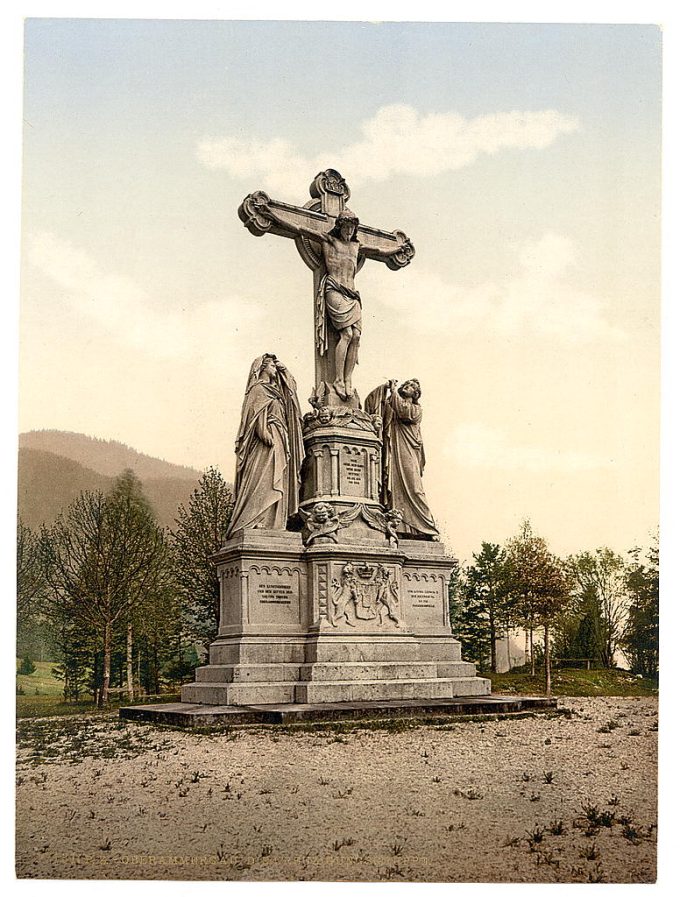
(562, 798)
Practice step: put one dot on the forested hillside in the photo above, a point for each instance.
(49, 482)
(104, 456)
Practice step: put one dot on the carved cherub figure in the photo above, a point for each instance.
(393, 520)
(320, 521)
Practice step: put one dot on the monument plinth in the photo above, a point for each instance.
(333, 584)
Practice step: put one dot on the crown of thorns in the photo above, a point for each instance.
(347, 215)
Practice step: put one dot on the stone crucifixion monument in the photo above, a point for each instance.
(333, 581)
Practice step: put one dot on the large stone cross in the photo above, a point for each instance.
(334, 257)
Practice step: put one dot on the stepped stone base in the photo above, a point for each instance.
(332, 623)
(225, 716)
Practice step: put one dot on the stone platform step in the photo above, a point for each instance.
(205, 715)
(389, 689)
(218, 673)
(239, 692)
(248, 672)
(316, 692)
(337, 672)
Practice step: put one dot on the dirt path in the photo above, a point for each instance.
(567, 798)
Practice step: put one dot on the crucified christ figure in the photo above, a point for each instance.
(334, 244)
(337, 300)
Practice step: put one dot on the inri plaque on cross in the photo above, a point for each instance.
(333, 243)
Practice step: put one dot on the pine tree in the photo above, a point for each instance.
(641, 636)
(600, 583)
(200, 531)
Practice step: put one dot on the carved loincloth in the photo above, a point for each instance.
(340, 304)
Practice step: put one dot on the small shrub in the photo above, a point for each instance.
(596, 875)
(346, 842)
(26, 667)
(590, 853)
(536, 836)
(609, 726)
(341, 795)
(630, 833)
(598, 818)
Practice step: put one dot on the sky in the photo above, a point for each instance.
(523, 161)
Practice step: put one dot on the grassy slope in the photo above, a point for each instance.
(48, 701)
(41, 681)
(575, 683)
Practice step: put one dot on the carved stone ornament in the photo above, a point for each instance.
(329, 181)
(404, 254)
(393, 520)
(324, 522)
(254, 213)
(365, 592)
(321, 521)
(342, 416)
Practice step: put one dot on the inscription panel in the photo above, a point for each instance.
(274, 595)
(353, 476)
(424, 597)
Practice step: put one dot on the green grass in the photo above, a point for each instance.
(36, 706)
(41, 680)
(44, 696)
(574, 683)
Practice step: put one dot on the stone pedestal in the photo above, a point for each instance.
(339, 611)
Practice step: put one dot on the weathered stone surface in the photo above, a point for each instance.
(201, 715)
(268, 449)
(333, 243)
(336, 621)
(350, 603)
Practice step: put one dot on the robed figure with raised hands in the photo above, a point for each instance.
(269, 449)
(403, 457)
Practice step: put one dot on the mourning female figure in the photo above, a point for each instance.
(269, 449)
(403, 456)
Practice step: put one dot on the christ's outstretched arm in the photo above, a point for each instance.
(294, 226)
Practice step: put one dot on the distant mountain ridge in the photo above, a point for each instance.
(49, 481)
(104, 456)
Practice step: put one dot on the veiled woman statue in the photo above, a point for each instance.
(269, 449)
(403, 456)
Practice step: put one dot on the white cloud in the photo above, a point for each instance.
(537, 298)
(398, 140)
(481, 446)
(126, 312)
